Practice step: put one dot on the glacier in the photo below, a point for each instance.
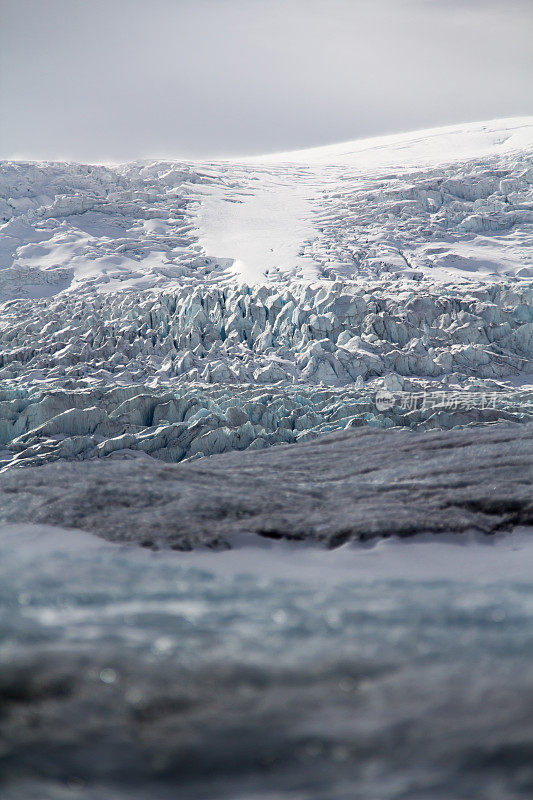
(301, 385)
(188, 372)
(180, 309)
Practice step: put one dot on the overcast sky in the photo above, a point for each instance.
(111, 80)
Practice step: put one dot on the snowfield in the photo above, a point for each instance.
(184, 308)
(446, 203)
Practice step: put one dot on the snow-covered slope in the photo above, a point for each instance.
(401, 262)
(420, 148)
(449, 203)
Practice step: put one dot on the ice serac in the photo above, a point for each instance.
(191, 372)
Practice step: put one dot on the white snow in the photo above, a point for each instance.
(267, 226)
(420, 148)
(346, 211)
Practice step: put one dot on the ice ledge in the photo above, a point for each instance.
(351, 485)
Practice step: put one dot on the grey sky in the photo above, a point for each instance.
(122, 79)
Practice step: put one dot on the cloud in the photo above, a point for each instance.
(111, 81)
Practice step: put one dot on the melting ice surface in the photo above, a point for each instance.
(401, 670)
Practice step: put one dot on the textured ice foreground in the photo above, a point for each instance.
(399, 671)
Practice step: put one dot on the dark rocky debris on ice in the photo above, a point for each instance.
(350, 485)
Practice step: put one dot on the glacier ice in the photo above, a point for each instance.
(177, 309)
